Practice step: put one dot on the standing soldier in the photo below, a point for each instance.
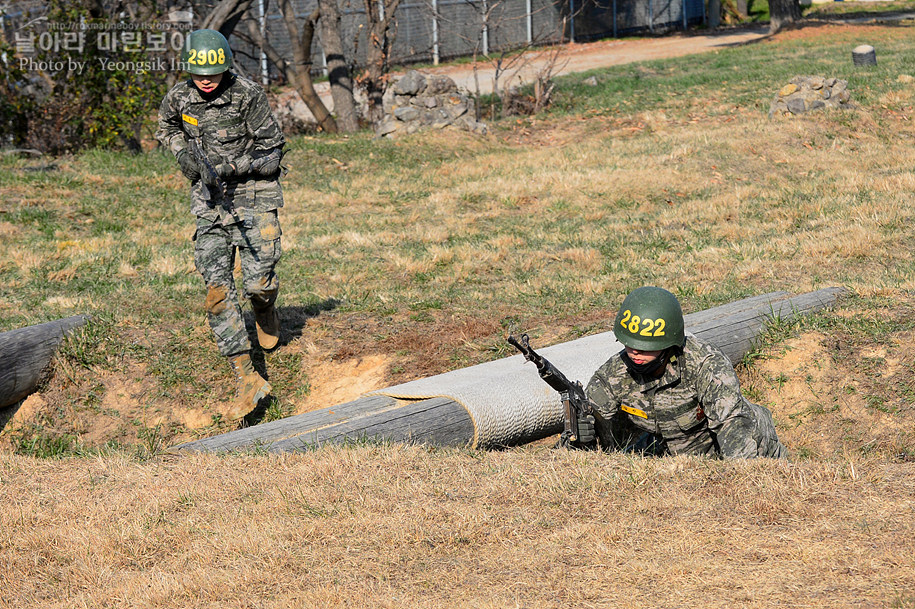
(229, 145)
(669, 393)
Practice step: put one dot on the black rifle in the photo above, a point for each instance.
(214, 182)
(203, 162)
(575, 403)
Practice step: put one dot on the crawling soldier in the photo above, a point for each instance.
(670, 393)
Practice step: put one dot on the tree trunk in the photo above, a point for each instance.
(341, 83)
(714, 14)
(25, 354)
(379, 15)
(301, 64)
(299, 77)
(227, 14)
(782, 12)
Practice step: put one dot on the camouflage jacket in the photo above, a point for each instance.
(696, 405)
(238, 127)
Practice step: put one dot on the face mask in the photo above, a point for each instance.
(649, 369)
(227, 80)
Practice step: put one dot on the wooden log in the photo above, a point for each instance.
(443, 422)
(25, 354)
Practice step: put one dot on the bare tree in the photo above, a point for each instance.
(341, 82)
(297, 72)
(509, 64)
(379, 16)
(228, 13)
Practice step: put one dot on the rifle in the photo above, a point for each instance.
(215, 181)
(574, 401)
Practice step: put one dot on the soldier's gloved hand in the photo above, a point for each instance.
(188, 166)
(267, 164)
(585, 431)
(226, 170)
(238, 167)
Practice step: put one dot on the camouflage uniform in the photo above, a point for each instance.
(236, 126)
(694, 408)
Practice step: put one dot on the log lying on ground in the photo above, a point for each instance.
(25, 354)
(501, 403)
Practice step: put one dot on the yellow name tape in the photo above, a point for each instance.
(634, 411)
(189, 119)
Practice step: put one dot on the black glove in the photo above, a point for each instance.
(585, 431)
(225, 170)
(267, 164)
(188, 166)
(585, 439)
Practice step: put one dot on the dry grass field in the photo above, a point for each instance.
(409, 258)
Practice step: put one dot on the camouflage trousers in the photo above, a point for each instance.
(257, 241)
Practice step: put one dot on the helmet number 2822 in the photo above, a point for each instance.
(204, 57)
(642, 327)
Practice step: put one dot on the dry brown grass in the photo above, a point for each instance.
(406, 527)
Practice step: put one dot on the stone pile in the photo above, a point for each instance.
(805, 93)
(417, 101)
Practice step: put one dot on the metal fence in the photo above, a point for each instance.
(434, 30)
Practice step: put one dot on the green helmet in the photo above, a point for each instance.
(650, 319)
(205, 53)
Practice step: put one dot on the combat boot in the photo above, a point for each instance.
(251, 389)
(267, 322)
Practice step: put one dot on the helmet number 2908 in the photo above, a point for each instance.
(206, 57)
(642, 327)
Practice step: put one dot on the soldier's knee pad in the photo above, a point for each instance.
(216, 299)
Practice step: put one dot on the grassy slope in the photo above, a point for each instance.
(419, 255)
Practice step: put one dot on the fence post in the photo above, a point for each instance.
(485, 28)
(572, 21)
(530, 22)
(435, 50)
(614, 19)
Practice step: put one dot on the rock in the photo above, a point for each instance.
(439, 85)
(807, 93)
(419, 102)
(406, 114)
(590, 81)
(411, 84)
(386, 127)
(796, 105)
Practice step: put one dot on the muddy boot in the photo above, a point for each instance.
(252, 387)
(267, 321)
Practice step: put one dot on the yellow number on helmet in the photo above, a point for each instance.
(191, 57)
(211, 56)
(634, 324)
(647, 327)
(625, 318)
(659, 329)
(221, 55)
